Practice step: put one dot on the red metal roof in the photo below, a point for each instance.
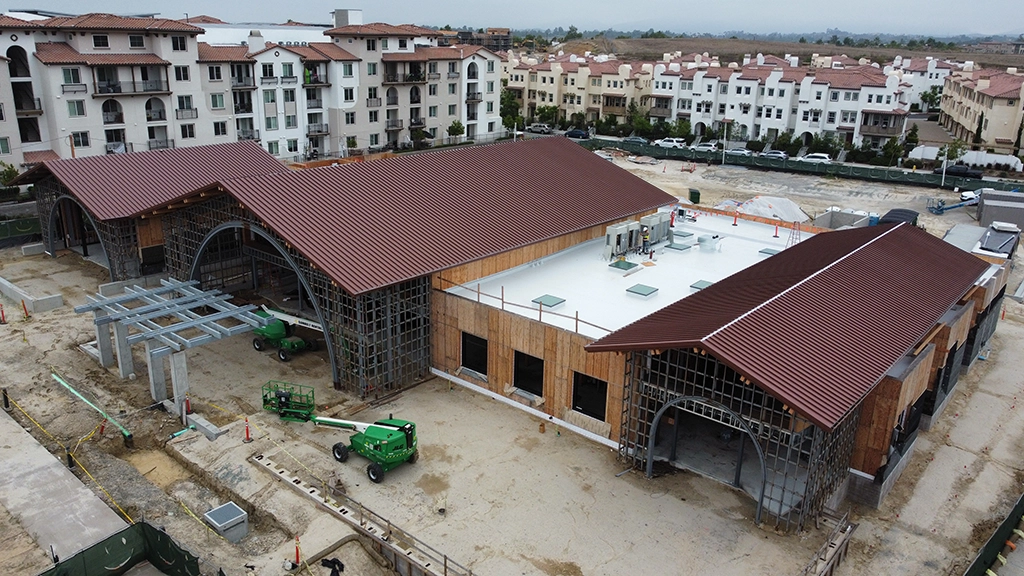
(373, 224)
(819, 324)
(123, 185)
(62, 53)
(98, 21)
(37, 156)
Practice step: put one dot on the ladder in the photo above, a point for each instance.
(794, 235)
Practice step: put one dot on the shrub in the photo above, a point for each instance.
(879, 161)
(755, 145)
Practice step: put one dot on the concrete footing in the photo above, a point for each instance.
(34, 304)
(864, 490)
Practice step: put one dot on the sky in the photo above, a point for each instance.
(912, 17)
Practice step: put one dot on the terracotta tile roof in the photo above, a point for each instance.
(35, 157)
(233, 53)
(62, 53)
(1002, 85)
(202, 19)
(841, 309)
(9, 22)
(321, 52)
(98, 21)
(145, 180)
(921, 65)
(381, 29)
(850, 78)
(453, 52)
(467, 203)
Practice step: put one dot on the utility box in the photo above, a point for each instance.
(229, 521)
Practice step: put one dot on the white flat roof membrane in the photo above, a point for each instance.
(600, 294)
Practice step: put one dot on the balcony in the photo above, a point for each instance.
(248, 134)
(415, 99)
(417, 123)
(289, 79)
(73, 88)
(315, 129)
(453, 75)
(313, 103)
(393, 101)
(267, 80)
(393, 125)
(108, 87)
(404, 78)
(433, 75)
(160, 144)
(474, 96)
(661, 112)
(617, 110)
(373, 102)
(242, 82)
(471, 116)
(473, 76)
(113, 118)
(103, 89)
(156, 115)
(28, 107)
(316, 79)
(868, 129)
(186, 113)
(243, 108)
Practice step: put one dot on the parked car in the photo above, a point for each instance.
(636, 140)
(962, 170)
(972, 194)
(577, 133)
(539, 128)
(706, 147)
(774, 155)
(816, 157)
(671, 143)
(739, 152)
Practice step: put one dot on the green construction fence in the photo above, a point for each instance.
(19, 227)
(836, 169)
(990, 551)
(123, 550)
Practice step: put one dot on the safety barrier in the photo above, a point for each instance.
(1003, 541)
(122, 550)
(835, 169)
(19, 227)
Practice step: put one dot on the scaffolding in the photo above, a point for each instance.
(379, 341)
(802, 465)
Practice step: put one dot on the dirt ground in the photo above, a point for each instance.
(517, 501)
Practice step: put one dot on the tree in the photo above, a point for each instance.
(953, 151)
(681, 129)
(976, 141)
(456, 129)
(1020, 132)
(509, 109)
(892, 150)
(418, 135)
(572, 34)
(802, 40)
(912, 138)
(547, 114)
(931, 98)
(8, 172)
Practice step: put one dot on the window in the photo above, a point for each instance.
(179, 44)
(433, 132)
(831, 118)
(81, 139)
(710, 88)
(371, 92)
(220, 128)
(383, 43)
(350, 117)
(374, 139)
(136, 41)
(490, 87)
(846, 96)
(723, 89)
(287, 69)
(490, 65)
(888, 99)
(274, 148)
(490, 106)
(778, 114)
(371, 44)
(271, 122)
(269, 96)
(371, 68)
(5, 145)
(849, 117)
(217, 101)
(453, 88)
(181, 73)
(72, 76)
(76, 108)
(432, 90)
(100, 41)
(474, 354)
(403, 43)
(451, 109)
(350, 94)
(856, 96)
(346, 69)
(746, 90)
(188, 131)
(374, 116)
(292, 145)
(454, 67)
(782, 93)
(589, 395)
(721, 108)
(806, 116)
(739, 90)
(215, 73)
(833, 96)
(432, 111)
(490, 126)
(291, 121)
(268, 70)
(184, 102)
(817, 95)
(288, 95)
(528, 373)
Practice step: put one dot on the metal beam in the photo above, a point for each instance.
(161, 304)
(100, 301)
(136, 338)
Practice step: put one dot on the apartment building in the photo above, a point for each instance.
(993, 98)
(104, 84)
(918, 76)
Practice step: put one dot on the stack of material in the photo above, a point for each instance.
(767, 207)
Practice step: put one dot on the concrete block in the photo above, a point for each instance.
(117, 288)
(864, 490)
(45, 303)
(205, 426)
(33, 249)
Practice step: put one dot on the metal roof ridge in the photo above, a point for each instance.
(794, 286)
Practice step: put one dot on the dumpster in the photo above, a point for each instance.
(694, 195)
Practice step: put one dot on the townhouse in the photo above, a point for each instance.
(988, 97)
(919, 75)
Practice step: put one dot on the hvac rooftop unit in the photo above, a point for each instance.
(616, 240)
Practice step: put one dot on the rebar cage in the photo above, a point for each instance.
(804, 465)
